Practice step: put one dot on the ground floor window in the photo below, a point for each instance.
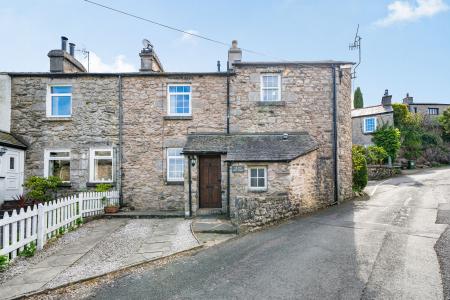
(57, 164)
(175, 164)
(257, 178)
(101, 165)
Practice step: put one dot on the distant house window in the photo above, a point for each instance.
(101, 165)
(179, 100)
(11, 163)
(59, 101)
(57, 164)
(370, 124)
(257, 178)
(433, 111)
(271, 87)
(415, 110)
(175, 164)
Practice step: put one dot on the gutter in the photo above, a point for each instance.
(120, 140)
(335, 139)
(228, 132)
(190, 185)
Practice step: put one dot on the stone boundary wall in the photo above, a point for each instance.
(381, 172)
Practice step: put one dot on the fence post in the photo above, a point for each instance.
(40, 227)
(80, 204)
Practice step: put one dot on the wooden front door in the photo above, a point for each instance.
(210, 182)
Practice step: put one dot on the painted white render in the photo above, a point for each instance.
(5, 103)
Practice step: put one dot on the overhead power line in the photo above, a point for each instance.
(178, 29)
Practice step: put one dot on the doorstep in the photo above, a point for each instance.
(213, 224)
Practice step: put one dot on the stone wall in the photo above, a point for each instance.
(148, 132)
(381, 172)
(423, 108)
(94, 121)
(358, 135)
(306, 95)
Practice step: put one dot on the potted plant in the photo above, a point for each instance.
(109, 208)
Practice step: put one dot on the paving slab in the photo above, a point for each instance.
(155, 247)
(58, 260)
(214, 226)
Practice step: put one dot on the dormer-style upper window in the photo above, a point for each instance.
(59, 101)
(179, 100)
(270, 87)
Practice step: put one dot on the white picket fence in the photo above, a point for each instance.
(39, 223)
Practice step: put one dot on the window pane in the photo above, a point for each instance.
(174, 151)
(61, 89)
(179, 89)
(187, 89)
(173, 104)
(102, 153)
(261, 182)
(253, 182)
(61, 105)
(260, 172)
(60, 169)
(59, 154)
(253, 172)
(172, 89)
(11, 163)
(103, 169)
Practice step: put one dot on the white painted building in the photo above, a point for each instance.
(12, 148)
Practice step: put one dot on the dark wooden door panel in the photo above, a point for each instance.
(210, 182)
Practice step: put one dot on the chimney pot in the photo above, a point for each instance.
(234, 54)
(72, 49)
(64, 43)
(408, 99)
(387, 99)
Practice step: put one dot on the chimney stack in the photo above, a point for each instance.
(408, 99)
(149, 60)
(63, 62)
(234, 54)
(387, 99)
(72, 49)
(64, 43)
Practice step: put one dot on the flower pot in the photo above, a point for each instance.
(111, 209)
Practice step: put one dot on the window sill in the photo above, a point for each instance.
(58, 119)
(174, 182)
(94, 184)
(271, 103)
(257, 191)
(177, 117)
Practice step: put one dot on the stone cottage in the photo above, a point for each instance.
(260, 141)
(425, 108)
(367, 119)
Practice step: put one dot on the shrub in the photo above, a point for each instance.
(28, 250)
(400, 114)
(376, 155)
(42, 189)
(412, 136)
(4, 261)
(103, 187)
(359, 167)
(388, 137)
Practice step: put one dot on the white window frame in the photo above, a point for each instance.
(262, 88)
(47, 159)
(92, 158)
(435, 109)
(253, 188)
(173, 179)
(179, 93)
(365, 127)
(49, 100)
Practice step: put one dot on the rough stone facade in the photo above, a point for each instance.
(359, 137)
(94, 122)
(422, 108)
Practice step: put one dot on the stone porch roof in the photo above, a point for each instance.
(372, 110)
(9, 140)
(252, 147)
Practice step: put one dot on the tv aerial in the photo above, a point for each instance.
(146, 43)
(356, 45)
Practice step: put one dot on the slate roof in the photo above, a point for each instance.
(9, 140)
(252, 147)
(371, 110)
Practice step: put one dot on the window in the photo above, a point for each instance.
(175, 164)
(179, 98)
(257, 178)
(433, 111)
(415, 110)
(57, 163)
(270, 87)
(11, 163)
(101, 165)
(370, 124)
(59, 101)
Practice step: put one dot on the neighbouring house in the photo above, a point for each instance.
(366, 120)
(11, 148)
(259, 142)
(430, 109)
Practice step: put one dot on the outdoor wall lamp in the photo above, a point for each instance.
(193, 160)
(2, 151)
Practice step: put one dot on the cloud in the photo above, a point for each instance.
(405, 11)
(185, 37)
(97, 65)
